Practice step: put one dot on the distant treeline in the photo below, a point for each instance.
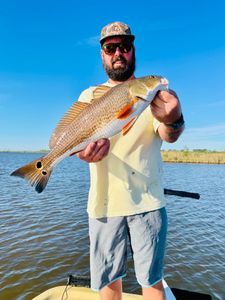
(24, 151)
(198, 156)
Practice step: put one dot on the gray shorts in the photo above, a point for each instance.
(108, 247)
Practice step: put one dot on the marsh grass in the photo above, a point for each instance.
(173, 156)
(195, 156)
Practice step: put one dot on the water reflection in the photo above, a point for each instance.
(44, 237)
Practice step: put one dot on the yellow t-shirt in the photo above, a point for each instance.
(129, 179)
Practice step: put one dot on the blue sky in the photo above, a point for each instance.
(49, 53)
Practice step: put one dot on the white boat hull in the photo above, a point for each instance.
(82, 293)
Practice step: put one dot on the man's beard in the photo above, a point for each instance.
(121, 73)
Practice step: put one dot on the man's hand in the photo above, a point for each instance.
(95, 151)
(166, 107)
(167, 110)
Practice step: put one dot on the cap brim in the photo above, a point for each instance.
(131, 37)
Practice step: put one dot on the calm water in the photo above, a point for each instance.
(44, 237)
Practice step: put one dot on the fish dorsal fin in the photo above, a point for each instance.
(66, 120)
(100, 91)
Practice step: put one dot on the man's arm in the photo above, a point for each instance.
(166, 109)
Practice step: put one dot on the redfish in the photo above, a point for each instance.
(112, 110)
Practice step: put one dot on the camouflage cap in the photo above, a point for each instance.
(116, 29)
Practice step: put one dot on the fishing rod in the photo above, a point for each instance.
(181, 194)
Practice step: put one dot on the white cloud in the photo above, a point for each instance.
(207, 131)
(213, 104)
(208, 137)
(92, 41)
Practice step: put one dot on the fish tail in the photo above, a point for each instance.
(37, 173)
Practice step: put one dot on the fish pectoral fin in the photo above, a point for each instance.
(128, 126)
(74, 153)
(66, 120)
(100, 91)
(126, 111)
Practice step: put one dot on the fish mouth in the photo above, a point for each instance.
(164, 82)
(142, 99)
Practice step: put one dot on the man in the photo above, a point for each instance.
(126, 199)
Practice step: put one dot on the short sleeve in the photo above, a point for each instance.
(156, 124)
(87, 95)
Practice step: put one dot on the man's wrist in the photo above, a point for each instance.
(179, 123)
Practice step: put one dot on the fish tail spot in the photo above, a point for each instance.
(39, 164)
(37, 173)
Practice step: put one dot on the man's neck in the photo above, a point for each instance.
(113, 82)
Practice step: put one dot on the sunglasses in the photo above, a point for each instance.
(110, 48)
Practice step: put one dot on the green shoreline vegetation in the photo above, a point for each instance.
(198, 156)
(24, 151)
